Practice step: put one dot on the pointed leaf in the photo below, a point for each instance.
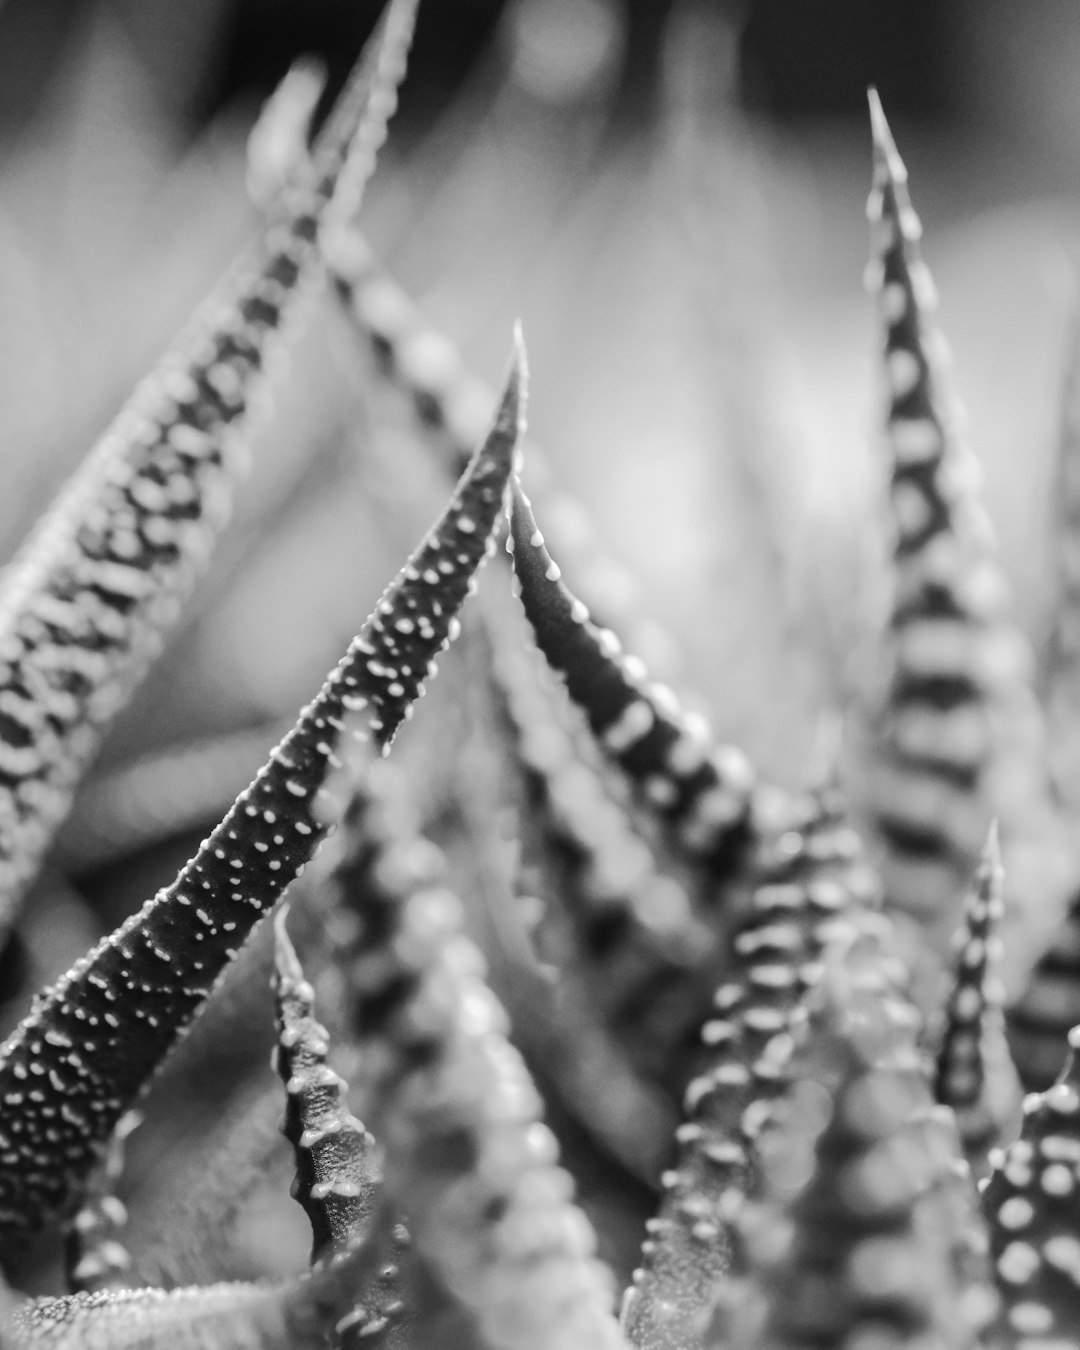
(337, 1176)
(702, 788)
(90, 1045)
(449, 398)
(812, 887)
(960, 733)
(856, 1232)
(452, 1104)
(974, 1074)
(611, 919)
(85, 604)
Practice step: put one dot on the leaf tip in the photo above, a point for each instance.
(886, 156)
(991, 853)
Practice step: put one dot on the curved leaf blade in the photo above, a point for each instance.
(90, 1044)
(703, 789)
(85, 605)
(337, 1179)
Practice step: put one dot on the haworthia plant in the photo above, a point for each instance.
(812, 886)
(467, 1156)
(974, 1074)
(855, 1236)
(89, 1045)
(626, 928)
(1050, 1006)
(818, 1196)
(1030, 1208)
(516, 890)
(960, 736)
(338, 1175)
(702, 788)
(337, 1179)
(85, 604)
(454, 402)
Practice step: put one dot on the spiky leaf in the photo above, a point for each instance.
(859, 1230)
(812, 886)
(702, 788)
(452, 1103)
(1030, 1206)
(84, 606)
(90, 1044)
(974, 1073)
(337, 1181)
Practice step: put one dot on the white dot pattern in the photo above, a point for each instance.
(97, 1037)
(84, 607)
(973, 1012)
(948, 688)
(447, 396)
(703, 790)
(856, 1231)
(645, 958)
(811, 889)
(1030, 1204)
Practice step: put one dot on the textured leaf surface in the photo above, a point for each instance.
(813, 885)
(960, 736)
(337, 1181)
(974, 1074)
(299, 1315)
(452, 401)
(85, 604)
(861, 1228)
(467, 1156)
(89, 1046)
(1030, 1207)
(704, 789)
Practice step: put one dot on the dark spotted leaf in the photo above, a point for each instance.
(84, 606)
(89, 1045)
(860, 1224)
(701, 788)
(812, 886)
(1030, 1207)
(467, 1157)
(974, 1073)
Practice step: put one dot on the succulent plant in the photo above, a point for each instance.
(657, 927)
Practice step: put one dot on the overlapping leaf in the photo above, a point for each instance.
(84, 606)
(77, 1062)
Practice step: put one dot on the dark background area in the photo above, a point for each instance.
(797, 60)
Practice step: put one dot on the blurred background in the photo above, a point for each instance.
(670, 195)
